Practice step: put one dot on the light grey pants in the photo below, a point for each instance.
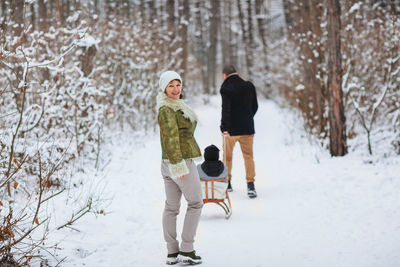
(191, 189)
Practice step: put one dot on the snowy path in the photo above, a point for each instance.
(338, 212)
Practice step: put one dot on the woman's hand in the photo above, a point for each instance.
(183, 176)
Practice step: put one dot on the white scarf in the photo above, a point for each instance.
(175, 105)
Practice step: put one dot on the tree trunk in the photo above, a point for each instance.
(337, 120)
(395, 7)
(33, 16)
(183, 26)
(245, 37)
(212, 51)
(225, 34)
(126, 8)
(288, 12)
(142, 13)
(66, 8)
(87, 59)
(109, 8)
(233, 39)
(228, 37)
(250, 45)
(261, 23)
(200, 42)
(262, 15)
(4, 11)
(60, 12)
(250, 23)
(43, 25)
(153, 12)
(17, 16)
(95, 7)
(171, 15)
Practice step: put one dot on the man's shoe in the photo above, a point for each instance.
(172, 259)
(189, 258)
(229, 186)
(251, 190)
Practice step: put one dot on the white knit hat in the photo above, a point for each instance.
(166, 77)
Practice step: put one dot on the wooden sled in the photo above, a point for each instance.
(214, 194)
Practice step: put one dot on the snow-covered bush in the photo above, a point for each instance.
(66, 87)
(371, 74)
(43, 104)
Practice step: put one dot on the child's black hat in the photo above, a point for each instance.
(211, 153)
(212, 166)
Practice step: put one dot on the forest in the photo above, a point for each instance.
(74, 72)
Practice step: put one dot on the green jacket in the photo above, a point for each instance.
(177, 125)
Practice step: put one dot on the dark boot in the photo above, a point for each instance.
(172, 259)
(251, 190)
(189, 258)
(229, 186)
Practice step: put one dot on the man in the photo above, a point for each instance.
(239, 105)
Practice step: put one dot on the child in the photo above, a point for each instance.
(214, 180)
(212, 168)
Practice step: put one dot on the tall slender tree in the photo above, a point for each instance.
(245, 36)
(17, 16)
(288, 11)
(66, 8)
(337, 120)
(184, 13)
(224, 29)
(153, 12)
(43, 20)
(170, 6)
(4, 11)
(33, 16)
(250, 37)
(213, 42)
(60, 13)
(199, 45)
(228, 36)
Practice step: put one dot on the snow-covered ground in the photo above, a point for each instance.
(312, 210)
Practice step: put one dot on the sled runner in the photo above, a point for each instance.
(215, 191)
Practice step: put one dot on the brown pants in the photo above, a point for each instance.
(174, 188)
(246, 144)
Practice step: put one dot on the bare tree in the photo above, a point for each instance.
(262, 23)
(225, 32)
(170, 5)
(245, 36)
(60, 13)
(153, 12)
(337, 120)
(263, 19)
(184, 13)
(4, 11)
(212, 51)
(288, 9)
(33, 16)
(250, 38)
(17, 16)
(43, 20)
(200, 41)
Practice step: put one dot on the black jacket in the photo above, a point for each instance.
(239, 105)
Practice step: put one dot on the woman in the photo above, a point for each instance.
(177, 124)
